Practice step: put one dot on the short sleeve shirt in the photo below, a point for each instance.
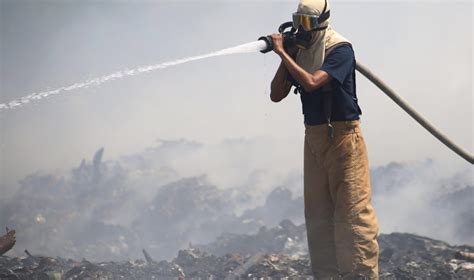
(340, 65)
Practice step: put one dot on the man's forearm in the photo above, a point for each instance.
(280, 77)
(309, 82)
(280, 86)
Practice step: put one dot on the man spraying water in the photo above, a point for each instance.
(341, 223)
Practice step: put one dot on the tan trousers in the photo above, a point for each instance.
(341, 223)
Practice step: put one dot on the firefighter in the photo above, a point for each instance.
(341, 223)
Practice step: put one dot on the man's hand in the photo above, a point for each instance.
(278, 44)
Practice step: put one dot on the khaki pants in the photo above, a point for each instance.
(340, 220)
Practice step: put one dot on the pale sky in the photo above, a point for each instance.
(422, 49)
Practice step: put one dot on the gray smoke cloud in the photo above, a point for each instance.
(426, 198)
(182, 192)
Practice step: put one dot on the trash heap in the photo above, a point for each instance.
(109, 209)
(286, 238)
(276, 253)
(408, 256)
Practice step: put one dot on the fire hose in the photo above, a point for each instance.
(413, 113)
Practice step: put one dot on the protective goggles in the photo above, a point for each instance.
(309, 22)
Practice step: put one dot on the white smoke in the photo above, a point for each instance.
(182, 192)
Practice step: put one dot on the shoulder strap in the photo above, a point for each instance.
(327, 101)
(355, 88)
(327, 92)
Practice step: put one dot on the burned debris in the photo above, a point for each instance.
(466, 256)
(286, 238)
(7, 241)
(108, 211)
(403, 256)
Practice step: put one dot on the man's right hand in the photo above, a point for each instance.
(277, 39)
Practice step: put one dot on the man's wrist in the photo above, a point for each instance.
(284, 56)
(281, 53)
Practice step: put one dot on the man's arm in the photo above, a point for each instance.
(309, 81)
(280, 86)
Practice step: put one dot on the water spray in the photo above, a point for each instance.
(294, 38)
(264, 44)
(244, 48)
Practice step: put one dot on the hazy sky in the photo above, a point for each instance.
(422, 49)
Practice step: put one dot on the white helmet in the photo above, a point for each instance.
(312, 15)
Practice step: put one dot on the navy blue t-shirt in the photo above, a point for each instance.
(340, 65)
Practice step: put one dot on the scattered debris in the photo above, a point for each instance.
(7, 241)
(468, 256)
(286, 238)
(148, 258)
(240, 271)
(402, 256)
(109, 209)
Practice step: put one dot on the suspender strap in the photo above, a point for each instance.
(327, 91)
(327, 100)
(355, 89)
(328, 96)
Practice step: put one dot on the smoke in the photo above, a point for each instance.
(426, 198)
(161, 199)
(182, 192)
(249, 166)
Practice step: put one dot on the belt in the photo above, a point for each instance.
(338, 128)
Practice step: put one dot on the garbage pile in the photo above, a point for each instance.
(266, 255)
(402, 255)
(7, 241)
(286, 238)
(109, 209)
(408, 256)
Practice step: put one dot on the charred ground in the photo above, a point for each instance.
(269, 254)
(110, 210)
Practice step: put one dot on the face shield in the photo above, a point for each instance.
(309, 22)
